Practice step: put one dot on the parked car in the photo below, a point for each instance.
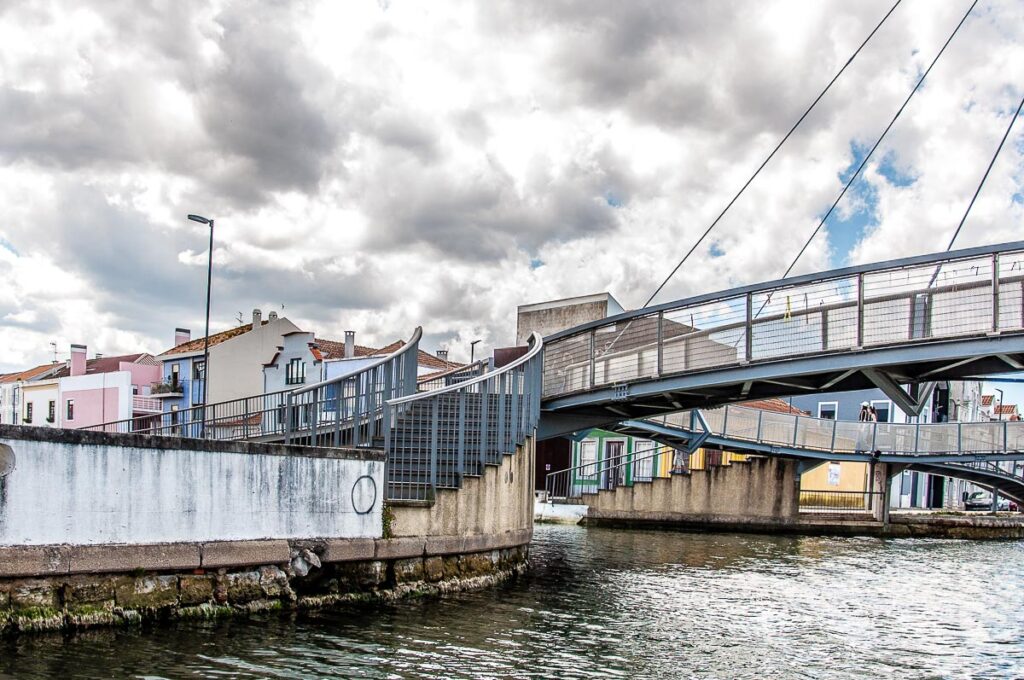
(982, 500)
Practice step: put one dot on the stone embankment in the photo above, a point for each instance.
(48, 588)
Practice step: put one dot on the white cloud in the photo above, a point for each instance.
(376, 167)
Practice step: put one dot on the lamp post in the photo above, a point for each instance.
(206, 338)
(472, 350)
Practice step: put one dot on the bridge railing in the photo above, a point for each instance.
(342, 411)
(607, 474)
(843, 436)
(965, 293)
(435, 439)
(452, 376)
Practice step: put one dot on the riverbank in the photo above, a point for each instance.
(909, 525)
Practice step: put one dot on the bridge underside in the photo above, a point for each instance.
(607, 405)
(945, 465)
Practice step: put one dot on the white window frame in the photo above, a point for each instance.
(584, 472)
(835, 408)
(888, 407)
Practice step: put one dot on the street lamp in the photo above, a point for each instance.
(472, 350)
(206, 338)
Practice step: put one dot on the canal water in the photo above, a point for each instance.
(638, 604)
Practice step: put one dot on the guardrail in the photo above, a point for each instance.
(435, 439)
(838, 501)
(343, 411)
(844, 436)
(434, 381)
(607, 474)
(972, 292)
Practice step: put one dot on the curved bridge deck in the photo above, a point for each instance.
(915, 320)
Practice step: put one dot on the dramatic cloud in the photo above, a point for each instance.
(380, 165)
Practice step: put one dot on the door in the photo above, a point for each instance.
(615, 470)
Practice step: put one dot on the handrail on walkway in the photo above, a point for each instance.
(434, 439)
(973, 292)
(844, 436)
(344, 410)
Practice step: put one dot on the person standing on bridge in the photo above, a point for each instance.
(862, 432)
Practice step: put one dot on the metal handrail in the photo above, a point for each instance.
(793, 282)
(843, 310)
(436, 438)
(820, 434)
(431, 377)
(536, 346)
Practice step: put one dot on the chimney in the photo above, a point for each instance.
(98, 356)
(257, 318)
(442, 354)
(272, 316)
(350, 344)
(77, 360)
(181, 336)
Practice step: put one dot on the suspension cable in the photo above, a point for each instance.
(878, 141)
(992, 162)
(771, 155)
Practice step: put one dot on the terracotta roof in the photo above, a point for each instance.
(425, 359)
(333, 349)
(215, 339)
(109, 364)
(986, 399)
(776, 405)
(1004, 409)
(29, 374)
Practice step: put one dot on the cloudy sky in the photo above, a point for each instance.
(374, 165)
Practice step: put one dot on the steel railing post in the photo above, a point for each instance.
(917, 437)
(960, 437)
(661, 342)
(288, 419)
(860, 310)
(749, 329)
(874, 436)
(995, 292)
(725, 422)
(433, 444)
(461, 452)
(796, 429)
(832, 446)
(593, 353)
(484, 415)
(760, 419)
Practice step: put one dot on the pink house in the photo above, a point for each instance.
(105, 389)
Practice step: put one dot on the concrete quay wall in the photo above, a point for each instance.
(745, 491)
(50, 588)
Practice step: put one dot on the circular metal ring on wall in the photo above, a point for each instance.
(371, 491)
(7, 460)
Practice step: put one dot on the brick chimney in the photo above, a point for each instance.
(77, 360)
(181, 336)
(257, 318)
(350, 344)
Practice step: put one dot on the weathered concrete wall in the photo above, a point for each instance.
(65, 587)
(751, 489)
(497, 503)
(86, 488)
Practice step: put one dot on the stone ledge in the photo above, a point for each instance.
(35, 560)
(348, 549)
(157, 557)
(398, 548)
(244, 553)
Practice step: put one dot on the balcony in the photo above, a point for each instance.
(163, 390)
(146, 404)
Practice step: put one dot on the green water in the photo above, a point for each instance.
(606, 603)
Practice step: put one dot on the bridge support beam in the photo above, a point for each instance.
(910, 405)
(881, 476)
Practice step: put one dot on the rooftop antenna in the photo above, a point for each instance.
(54, 346)
(240, 317)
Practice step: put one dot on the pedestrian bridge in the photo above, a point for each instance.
(989, 454)
(904, 322)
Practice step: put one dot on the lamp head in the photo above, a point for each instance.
(200, 219)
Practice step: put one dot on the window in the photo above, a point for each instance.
(71, 409)
(28, 412)
(175, 374)
(51, 411)
(828, 409)
(588, 458)
(135, 389)
(198, 370)
(295, 372)
(884, 411)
